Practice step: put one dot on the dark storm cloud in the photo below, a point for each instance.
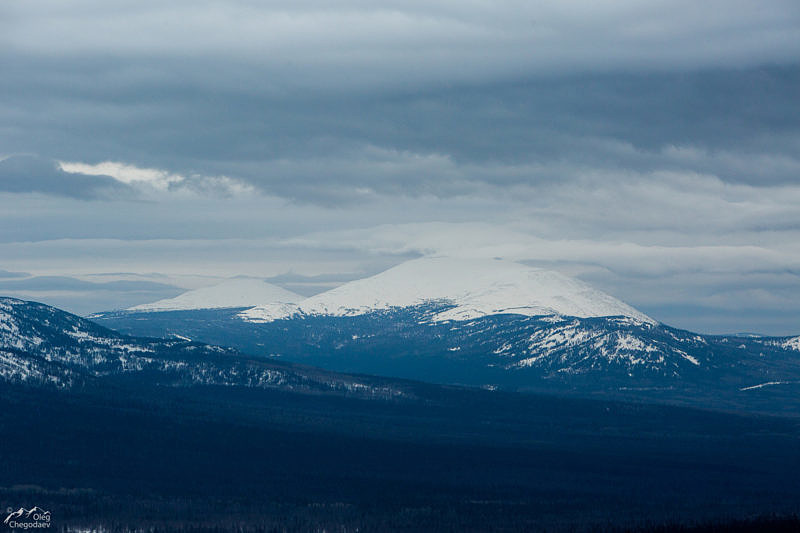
(313, 147)
(25, 174)
(316, 103)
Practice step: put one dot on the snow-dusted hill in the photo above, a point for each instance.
(42, 345)
(238, 292)
(475, 287)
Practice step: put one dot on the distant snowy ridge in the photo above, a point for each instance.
(239, 292)
(474, 287)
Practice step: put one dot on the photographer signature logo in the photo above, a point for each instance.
(35, 518)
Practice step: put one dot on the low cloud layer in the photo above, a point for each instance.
(84, 297)
(5, 274)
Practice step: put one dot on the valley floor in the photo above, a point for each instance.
(223, 459)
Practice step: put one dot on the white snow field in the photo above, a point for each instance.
(476, 287)
(237, 292)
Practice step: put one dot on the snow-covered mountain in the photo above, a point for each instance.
(42, 345)
(495, 324)
(472, 287)
(237, 292)
(618, 357)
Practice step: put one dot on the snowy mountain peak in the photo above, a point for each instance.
(238, 292)
(475, 287)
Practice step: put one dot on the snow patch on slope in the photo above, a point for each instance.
(791, 344)
(768, 384)
(270, 312)
(231, 293)
(475, 287)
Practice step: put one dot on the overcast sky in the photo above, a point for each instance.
(649, 148)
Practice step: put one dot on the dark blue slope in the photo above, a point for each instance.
(610, 355)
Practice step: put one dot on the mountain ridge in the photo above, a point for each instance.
(235, 292)
(44, 346)
(615, 357)
(475, 288)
